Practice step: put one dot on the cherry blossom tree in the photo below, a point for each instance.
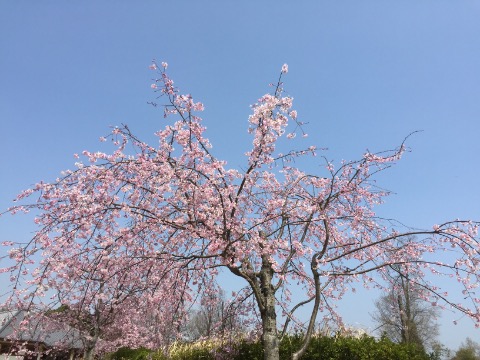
(97, 303)
(177, 206)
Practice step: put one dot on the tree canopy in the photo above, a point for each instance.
(161, 220)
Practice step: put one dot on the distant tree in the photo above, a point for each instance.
(215, 316)
(470, 350)
(439, 351)
(404, 315)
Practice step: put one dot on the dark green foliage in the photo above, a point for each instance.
(248, 350)
(194, 354)
(352, 348)
(321, 348)
(130, 354)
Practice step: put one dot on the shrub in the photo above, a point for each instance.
(125, 353)
(321, 348)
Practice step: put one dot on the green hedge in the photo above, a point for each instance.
(321, 348)
(363, 348)
(130, 354)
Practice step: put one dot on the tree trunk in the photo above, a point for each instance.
(39, 351)
(403, 320)
(269, 336)
(262, 285)
(311, 325)
(88, 353)
(89, 350)
(271, 350)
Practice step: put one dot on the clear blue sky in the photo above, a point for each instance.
(364, 74)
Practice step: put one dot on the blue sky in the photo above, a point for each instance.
(364, 74)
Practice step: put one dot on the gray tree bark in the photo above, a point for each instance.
(271, 350)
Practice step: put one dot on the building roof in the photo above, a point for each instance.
(36, 332)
